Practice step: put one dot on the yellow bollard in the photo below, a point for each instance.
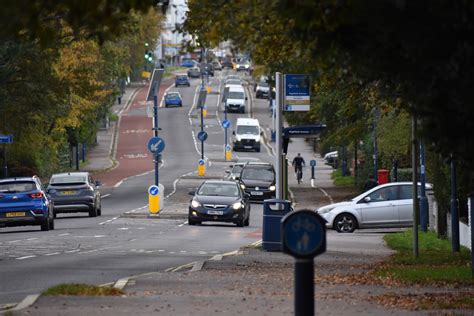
(204, 112)
(208, 89)
(228, 154)
(153, 199)
(201, 168)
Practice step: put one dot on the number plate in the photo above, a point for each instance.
(15, 214)
(68, 193)
(215, 212)
(256, 193)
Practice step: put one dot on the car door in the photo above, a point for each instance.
(405, 205)
(379, 208)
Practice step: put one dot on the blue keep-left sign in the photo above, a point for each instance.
(153, 190)
(202, 136)
(156, 145)
(201, 162)
(226, 124)
(312, 163)
(303, 234)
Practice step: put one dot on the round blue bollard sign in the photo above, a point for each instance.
(202, 136)
(226, 124)
(156, 145)
(153, 190)
(201, 162)
(312, 163)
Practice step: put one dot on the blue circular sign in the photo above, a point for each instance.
(153, 190)
(228, 147)
(201, 162)
(226, 124)
(312, 163)
(202, 136)
(304, 234)
(156, 145)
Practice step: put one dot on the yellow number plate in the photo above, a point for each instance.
(15, 214)
(68, 192)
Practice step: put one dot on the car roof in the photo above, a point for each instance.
(258, 164)
(17, 179)
(247, 159)
(247, 121)
(173, 92)
(220, 182)
(65, 174)
(235, 88)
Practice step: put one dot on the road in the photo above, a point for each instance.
(103, 249)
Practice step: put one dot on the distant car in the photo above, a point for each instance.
(262, 89)
(188, 63)
(258, 180)
(194, 72)
(219, 201)
(23, 202)
(242, 66)
(386, 205)
(331, 158)
(227, 63)
(173, 99)
(208, 70)
(234, 173)
(216, 65)
(75, 192)
(182, 80)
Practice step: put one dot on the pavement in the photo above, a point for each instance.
(248, 281)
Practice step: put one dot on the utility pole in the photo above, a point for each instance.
(279, 136)
(375, 157)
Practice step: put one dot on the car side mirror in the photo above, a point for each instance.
(246, 98)
(98, 184)
(261, 133)
(192, 193)
(367, 199)
(227, 171)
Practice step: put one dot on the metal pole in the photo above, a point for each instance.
(376, 167)
(414, 164)
(454, 208)
(304, 287)
(5, 165)
(279, 138)
(471, 216)
(423, 198)
(225, 134)
(156, 157)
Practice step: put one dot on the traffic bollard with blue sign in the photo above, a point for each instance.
(155, 198)
(273, 212)
(204, 111)
(312, 163)
(201, 168)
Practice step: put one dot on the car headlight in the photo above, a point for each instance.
(195, 204)
(237, 205)
(272, 188)
(325, 209)
(238, 139)
(242, 186)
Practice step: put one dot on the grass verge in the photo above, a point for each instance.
(169, 70)
(82, 290)
(339, 180)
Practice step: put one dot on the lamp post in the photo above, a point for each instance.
(454, 208)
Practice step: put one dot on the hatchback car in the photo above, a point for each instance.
(387, 205)
(75, 192)
(188, 63)
(216, 65)
(258, 180)
(261, 90)
(182, 80)
(219, 201)
(173, 99)
(194, 72)
(23, 201)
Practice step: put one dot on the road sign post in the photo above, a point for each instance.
(304, 237)
(226, 125)
(5, 139)
(278, 138)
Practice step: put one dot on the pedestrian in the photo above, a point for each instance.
(370, 183)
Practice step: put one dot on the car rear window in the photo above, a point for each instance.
(61, 180)
(259, 173)
(17, 186)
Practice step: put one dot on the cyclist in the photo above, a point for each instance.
(298, 163)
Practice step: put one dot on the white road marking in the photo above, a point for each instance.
(108, 221)
(14, 241)
(25, 257)
(123, 228)
(327, 195)
(106, 195)
(65, 234)
(52, 254)
(71, 251)
(32, 238)
(161, 250)
(99, 236)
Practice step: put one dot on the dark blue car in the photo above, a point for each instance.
(23, 201)
(182, 80)
(173, 99)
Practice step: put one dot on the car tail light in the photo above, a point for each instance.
(1, 197)
(38, 195)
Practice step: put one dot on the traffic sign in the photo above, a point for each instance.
(303, 234)
(153, 190)
(297, 92)
(226, 124)
(201, 162)
(6, 139)
(228, 147)
(312, 163)
(156, 145)
(202, 136)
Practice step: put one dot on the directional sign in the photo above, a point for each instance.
(312, 163)
(202, 136)
(6, 139)
(153, 190)
(303, 234)
(226, 124)
(297, 92)
(156, 145)
(228, 147)
(201, 162)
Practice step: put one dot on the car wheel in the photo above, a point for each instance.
(257, 149)
(46, 225)
(192, 222)
(247, 221)
(54, 214)
(99, 210)
(241, 223)
(93, 212)
(345, 223)
(51, 224)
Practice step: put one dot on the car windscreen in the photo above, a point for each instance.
(233, 82)
(69, 179)
(242, 129)
(219, 189)
(263, 84)
(252, 173)
(235, 95)
(17, 186)
(237, 169)
(172, 96)
(181, 77)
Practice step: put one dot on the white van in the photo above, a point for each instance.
(235, 99)
(247, 134)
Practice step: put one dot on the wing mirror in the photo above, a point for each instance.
(227, 171)
(367, 199)
(192, 193)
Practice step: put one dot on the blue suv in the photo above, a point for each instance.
(23, 201)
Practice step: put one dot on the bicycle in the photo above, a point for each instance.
(299, 174)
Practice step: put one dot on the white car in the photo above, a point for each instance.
(386, 205)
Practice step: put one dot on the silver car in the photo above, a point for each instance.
(387, 205)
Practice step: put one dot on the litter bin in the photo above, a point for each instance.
(382, 176)
(272, 216)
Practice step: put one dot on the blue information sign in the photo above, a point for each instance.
(297, 85)
(312, 163)
(201, 162)
(153, 190)
(6, 139)
(202, 136)
(156, 145)
(303, 234)
(226, 124)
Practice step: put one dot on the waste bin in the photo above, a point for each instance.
(382, 176)
(273, 212)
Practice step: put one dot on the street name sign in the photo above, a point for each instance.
(297, 92)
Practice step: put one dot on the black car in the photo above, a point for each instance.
(258, 180)
(216, 65)
(75, 192)
(219, 201)
(208, 70)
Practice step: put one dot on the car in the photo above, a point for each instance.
(207, 70)
(243, 65)
(234, 173)
(386, 205)
(258, 180)
(247, 134)
(331, 158)
(262, 89)
(235, 99)
(75, 192)
(24, 202)
(227, 63)
(194, 72)
(182, 80)
(173, 98)
(219, 201)
(188, 63)
(216, 65)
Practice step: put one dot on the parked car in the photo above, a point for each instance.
(182, 80)
(262, 89)
(216, 65)
(75, 192)
(173, 98)
(194, 72)
(227, 63)
(386, 205)
(331, 158)
(23, 202)
(219, 201)
(258, 180)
